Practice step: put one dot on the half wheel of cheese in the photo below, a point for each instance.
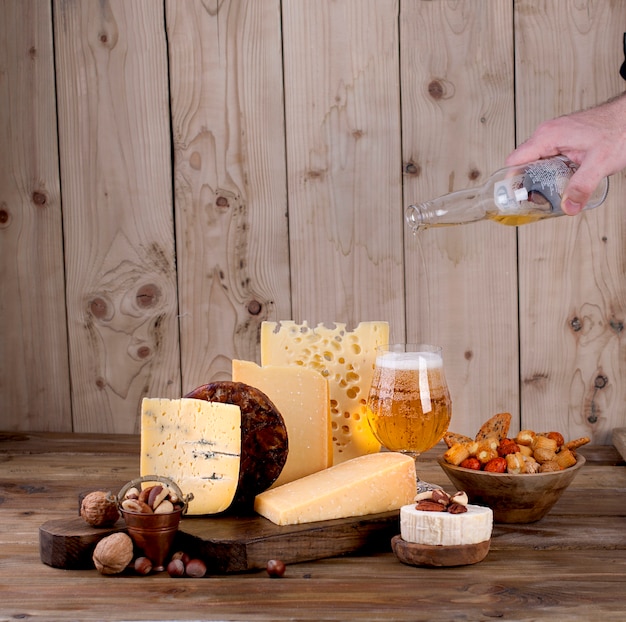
(264, 443)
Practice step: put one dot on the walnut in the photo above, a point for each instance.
(113, 553)
(99, 509)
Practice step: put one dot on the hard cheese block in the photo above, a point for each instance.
(365, 485)
(195, 443)
(445, 529)
(301, 397)
(346, 359)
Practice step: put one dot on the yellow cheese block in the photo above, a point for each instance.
(346, 359)
(195, 443)
(301, 397)
(365, 485)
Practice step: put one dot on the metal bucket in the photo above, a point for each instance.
(153, 534)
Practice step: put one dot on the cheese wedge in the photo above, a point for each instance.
(301, 397)
(195, 443)
(365, 485)
(346, 359)
(445, 529)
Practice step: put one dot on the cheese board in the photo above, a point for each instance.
(231, 544)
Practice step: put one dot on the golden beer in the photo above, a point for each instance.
(409, 405)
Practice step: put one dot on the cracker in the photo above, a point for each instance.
(450, 438)
(575, 444)
(496, 427)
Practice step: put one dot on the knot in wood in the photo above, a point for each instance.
(435, 89)
(148, 295)
(600, 382)
(39, 198)
(412, 169)
(99, 308)
(222, 202)
(254, 307)
(576, 324)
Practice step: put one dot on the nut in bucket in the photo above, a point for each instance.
(152, 507)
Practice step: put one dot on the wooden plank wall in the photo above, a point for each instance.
(174, 173)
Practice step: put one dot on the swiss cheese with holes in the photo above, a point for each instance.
(346, 359)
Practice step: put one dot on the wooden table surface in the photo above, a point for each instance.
(569, 566)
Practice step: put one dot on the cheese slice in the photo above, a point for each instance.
(195, 443)
(445, 529)
(368, 484)
(301, 397)
(346, 359)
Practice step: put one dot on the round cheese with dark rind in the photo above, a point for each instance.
(264, 442)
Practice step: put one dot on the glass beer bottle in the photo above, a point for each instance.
(515, 195)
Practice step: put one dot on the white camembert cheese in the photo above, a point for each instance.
(301, 397)
(346, 359)
(368, 484)
(195, 443)
(445, 529)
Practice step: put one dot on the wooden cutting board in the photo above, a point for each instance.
(230, 544)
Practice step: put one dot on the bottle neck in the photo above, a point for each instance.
(461, 207)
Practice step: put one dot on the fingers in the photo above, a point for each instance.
(580, 188)
(542, 144)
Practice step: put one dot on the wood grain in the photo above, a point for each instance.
(572, 290)
(343, 148)
(230, 181)
(117, 207)
(457, 128)
(569, 566)
(228, 543)
(35, 387)
(229, 161)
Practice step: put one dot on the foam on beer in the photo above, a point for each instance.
(409, 360)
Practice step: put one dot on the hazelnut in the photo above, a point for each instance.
(275, 568)
(113, 553)
(143, 565)
(99, 509)
(195, 568)
(176, 568)
(182, 556)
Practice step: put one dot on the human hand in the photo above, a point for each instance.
(595, 139)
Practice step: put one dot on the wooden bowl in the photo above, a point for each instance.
(524, 498)
(439, 556)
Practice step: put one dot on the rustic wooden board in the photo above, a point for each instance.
(231, 544)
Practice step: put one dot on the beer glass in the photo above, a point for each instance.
(409, 406)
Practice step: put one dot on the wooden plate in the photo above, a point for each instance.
(438, 556)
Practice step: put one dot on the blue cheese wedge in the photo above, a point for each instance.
(195, 443)
(445, 529)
